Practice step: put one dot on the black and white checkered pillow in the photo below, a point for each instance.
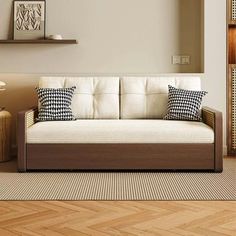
(55, 104)
(184, 104)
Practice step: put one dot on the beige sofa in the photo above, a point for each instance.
(119, 126)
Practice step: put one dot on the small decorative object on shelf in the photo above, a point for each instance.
(55, 37)
(29, 19)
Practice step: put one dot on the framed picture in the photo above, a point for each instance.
(29, 19)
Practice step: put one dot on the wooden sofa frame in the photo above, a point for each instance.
(202, 157)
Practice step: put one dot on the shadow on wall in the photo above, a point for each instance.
(190, 43)
(18, 96)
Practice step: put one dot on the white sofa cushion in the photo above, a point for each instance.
(147, 97)
(94, 97)
(120, 131)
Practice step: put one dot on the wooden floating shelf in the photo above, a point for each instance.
(40, 41)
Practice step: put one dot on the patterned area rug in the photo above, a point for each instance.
(120, 185)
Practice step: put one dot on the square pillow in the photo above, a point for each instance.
(55, 104)
(184, 104)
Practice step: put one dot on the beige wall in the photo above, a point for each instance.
(128, 36)
(215, 56)
(131, 37)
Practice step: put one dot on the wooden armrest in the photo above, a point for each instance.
(25, 119)
(213, 118)
(28, 116)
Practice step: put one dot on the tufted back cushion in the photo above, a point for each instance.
(94, 97)
(147, 97)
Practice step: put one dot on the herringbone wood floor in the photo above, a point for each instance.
(97, 218)
(118, 218)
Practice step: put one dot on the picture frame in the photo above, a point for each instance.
(29, 19)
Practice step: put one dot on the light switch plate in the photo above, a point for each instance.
(181, 60)
(176, 60)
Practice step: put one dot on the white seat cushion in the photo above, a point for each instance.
(147, 97)
(94, 97)
(120, 131)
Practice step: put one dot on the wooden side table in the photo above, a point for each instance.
(5, 129)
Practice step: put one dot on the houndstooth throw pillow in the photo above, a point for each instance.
(55, 104)
(184, 104)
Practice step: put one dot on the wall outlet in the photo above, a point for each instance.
(185, 60)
